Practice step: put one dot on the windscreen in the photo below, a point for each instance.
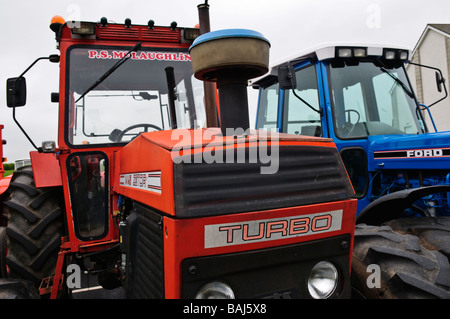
(371, 99)
(152, 89)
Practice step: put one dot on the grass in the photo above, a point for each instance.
(8, 172)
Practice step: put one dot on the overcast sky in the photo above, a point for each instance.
(290, 25)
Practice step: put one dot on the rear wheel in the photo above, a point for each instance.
(35, 227)
(387, 264)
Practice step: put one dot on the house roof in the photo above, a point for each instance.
(440, 28)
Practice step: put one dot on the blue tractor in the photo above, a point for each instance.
(362, 99)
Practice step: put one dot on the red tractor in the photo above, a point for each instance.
(140, 193)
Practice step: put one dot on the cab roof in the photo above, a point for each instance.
(326, 51)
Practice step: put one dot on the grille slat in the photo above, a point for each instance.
(306, 175)
(145, 262)
(158, 34)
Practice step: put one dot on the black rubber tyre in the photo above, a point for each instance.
(17, 289)
(35, 227)
(407, 269)
(433, 232)
(3, 273)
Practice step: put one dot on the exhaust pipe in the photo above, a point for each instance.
(209, 89)
(230, 58)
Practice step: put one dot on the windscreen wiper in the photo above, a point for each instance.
(399, 82)
(111, 70)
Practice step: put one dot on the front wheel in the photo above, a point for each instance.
(34, 229)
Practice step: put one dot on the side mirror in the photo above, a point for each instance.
(16, 92)
(286, 77)
(439, 81)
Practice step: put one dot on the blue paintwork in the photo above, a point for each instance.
(228, 33)
(408, 142)
(382, 143)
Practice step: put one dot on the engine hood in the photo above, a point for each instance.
(423, 151)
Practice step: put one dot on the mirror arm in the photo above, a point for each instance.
(23, 131)
(442, 80)
(52, 58)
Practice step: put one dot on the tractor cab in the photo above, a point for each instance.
(116, 89)
(366, 93)
(171, 97)
(362, 98)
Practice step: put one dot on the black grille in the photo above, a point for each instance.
(145, 263)
(306, 175)
(277, 272)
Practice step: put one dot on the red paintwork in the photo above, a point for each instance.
(185, 237)
(160, 37)
(153, 152)
(4, 183)
(45, 169)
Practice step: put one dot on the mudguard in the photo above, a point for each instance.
(46, 169)
(4, 184)
(391, 206)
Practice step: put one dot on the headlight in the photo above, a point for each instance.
(215, 290)
(404, 55)
(322, 280)
(351, 52)
(344, 52)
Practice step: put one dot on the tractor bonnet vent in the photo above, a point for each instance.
(306, 175)
(143, 33)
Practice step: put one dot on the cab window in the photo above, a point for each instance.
(300, 114)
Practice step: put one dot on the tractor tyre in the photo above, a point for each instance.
(35, 227)
(390, 265)
(17, 289)
(3, 252)
(433, 232)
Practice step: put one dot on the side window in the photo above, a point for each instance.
(189, 106)
(88, 174)
(300, 117)
(355, 161)
(268, 108)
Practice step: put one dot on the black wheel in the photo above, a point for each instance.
(17, 289)
(35, 227)
(3, 273)
(406, 268)
(433, 232)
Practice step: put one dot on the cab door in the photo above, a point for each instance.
(88, 180)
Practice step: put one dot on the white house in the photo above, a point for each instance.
(432, 49)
